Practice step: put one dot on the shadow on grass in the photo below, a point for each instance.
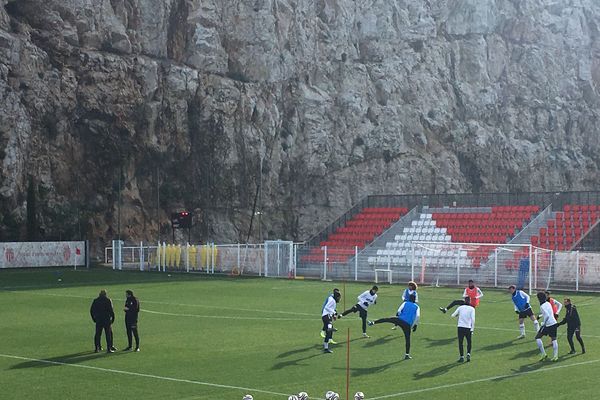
(439, 342)
(437, 371)
(47, 278)
(525, 354)
(74, 358)
(298, 361)
(379, 341)
(503, 345)
(355, 372)
(297, 351)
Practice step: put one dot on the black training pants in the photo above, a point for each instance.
(402, 324)
(106, 326)
(462, 334)
(455, 303)
(131, 327)
(577, 332)
(361, 312)
(327, 327)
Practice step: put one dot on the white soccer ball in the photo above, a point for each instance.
(293, 397)
(302, 396)
(330, 395)
(359, 396)
(248, 397)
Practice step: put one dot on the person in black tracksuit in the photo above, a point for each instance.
(103, 315)
(132, 309)
(573, 326)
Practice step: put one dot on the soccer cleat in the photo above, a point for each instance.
(443, 309)
(113, 348)
(127, 348)
(137, 349)
(582, 351)
(370, 323)
(407, 357)
(468, 357)
(394, 327)
(572, 352)
(331, 341)
(364, 335)
(327, 351)
(522, 336)
(544, 357)
(554, 359)
(109, 351)
(323, 334)
(461, 359)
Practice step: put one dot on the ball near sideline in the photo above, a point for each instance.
(248, 397)
(330, 395)
(302, 396)
(293, 397)
(359, 396)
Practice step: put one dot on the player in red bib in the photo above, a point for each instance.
(472, 292)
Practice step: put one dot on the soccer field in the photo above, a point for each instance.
(208, 337)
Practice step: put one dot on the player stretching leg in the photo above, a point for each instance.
(328, 315)
(523, 309)
(364, 301)
(406, 318)
(411, 289)
(466, 325)
(549, 326)
(573, 326)
(472, 292)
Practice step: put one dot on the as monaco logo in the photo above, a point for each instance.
(9, 255)
(66, 253)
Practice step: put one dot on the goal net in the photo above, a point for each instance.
(279, 258)
(491, 265)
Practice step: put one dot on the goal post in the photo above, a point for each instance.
(279, 259)
(489, 265)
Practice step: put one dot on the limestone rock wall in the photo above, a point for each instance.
(116, 112)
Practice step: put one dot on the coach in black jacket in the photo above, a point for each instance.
(573, 326)
(103, 315)
(132, 309)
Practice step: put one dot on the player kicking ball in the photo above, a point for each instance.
(366, 299)
(328, 315)
(411, 289)
(406, 318)
(523, 309)
(549, 326)
(472, 292)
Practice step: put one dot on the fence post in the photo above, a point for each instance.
(535, 263)
(266, 259)
(325, 263)
(141, 256)
(355, 263)
(458, 266)
(412, 261)
(187, 257)
(114, 262)
(238, 258)
(577, 274)
(212, 257)
(530, 277)
(496, 267)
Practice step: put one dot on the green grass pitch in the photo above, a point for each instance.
(210, 337)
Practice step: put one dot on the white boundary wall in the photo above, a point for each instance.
(43, 254)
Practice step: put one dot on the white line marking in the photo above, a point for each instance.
(175, 304)
(164, 378)
(491, 378)
(225, 316)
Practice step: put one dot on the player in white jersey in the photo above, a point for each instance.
(549, 326)
(466, 325)
(328, 315)
(366, 299)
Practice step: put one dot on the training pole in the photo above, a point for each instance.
(348, 366)
(344, 289)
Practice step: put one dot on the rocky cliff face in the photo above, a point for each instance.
(116, 112)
